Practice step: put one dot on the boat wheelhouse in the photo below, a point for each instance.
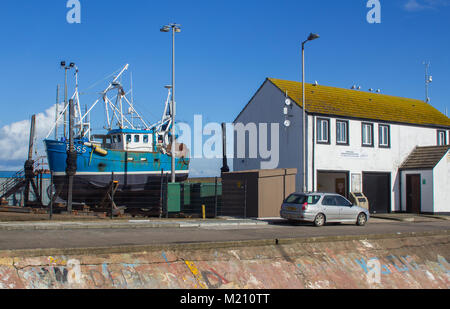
(137, 157)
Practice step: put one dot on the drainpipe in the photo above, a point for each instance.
(313, 154)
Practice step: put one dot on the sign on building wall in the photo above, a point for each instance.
(354, 154)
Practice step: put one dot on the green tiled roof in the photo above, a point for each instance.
(359, 104)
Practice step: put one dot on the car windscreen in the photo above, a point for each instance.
(302, 199)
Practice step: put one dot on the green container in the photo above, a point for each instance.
(209, 189)
(174, 197)
(187, 194)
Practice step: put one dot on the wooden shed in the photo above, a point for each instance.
(259, 193)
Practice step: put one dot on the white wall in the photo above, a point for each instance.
(357, 159)
(267, 107)
(426, 194)
(442, 185)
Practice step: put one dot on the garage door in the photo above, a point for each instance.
(377, 188)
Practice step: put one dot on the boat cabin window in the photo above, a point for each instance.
(114, 139)
(145, 139)
(128, 138)
(119, 138)
(137, 138)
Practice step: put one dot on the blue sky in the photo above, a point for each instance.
(224, 53)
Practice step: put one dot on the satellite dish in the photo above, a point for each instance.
(288, 102)
(287, 123)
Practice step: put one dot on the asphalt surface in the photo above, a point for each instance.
(107, 237)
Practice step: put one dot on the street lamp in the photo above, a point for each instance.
(311, 37)
(66, 68)
(174, 28)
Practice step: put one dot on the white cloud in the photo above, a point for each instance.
(14, 138)
(420, 5)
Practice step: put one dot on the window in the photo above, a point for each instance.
(329, 201)
(128, 139)
(384, 136)
(302, 199)
(323, 131)
(114, 139)
(442, 138)
(137, 138)
(367, 134)
(296, 199)
(342, 201)
(342, 132)
(119, 138)
(145, 139)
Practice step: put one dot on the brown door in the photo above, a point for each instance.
(340, 187)
(413, 195)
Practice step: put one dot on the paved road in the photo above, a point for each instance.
(93, 238)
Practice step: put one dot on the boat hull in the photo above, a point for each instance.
(139, 175)
(133, 191)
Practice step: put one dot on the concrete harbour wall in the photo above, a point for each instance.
(411, 262)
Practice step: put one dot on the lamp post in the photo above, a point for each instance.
(66, 68)
(311, 37)
(174, 28)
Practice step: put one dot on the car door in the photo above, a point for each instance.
(346, 210)
(331, 210)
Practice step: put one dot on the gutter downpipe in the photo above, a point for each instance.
(313, 153)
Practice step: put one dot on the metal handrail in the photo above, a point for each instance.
(19, 176)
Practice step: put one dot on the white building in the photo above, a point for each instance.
(355, 141)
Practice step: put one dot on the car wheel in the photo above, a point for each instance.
(362, 220)
(319, 220)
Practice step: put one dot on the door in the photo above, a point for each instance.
(413, 194)
(341, 186)
(331, 209)
(346, 210)
(377, 188)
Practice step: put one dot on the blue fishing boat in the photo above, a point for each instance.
(137, 157)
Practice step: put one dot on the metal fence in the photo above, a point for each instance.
(208, 198)
(161, 199)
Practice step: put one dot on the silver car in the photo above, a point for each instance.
(321, 208)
